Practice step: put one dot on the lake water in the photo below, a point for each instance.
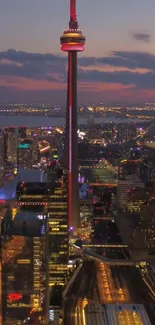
(41, 121)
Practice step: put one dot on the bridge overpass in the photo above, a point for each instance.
(103, 184)
(90, 254)
(91, 167)
(85, 251)
(72, 279)
(106, 218)
(104, 246)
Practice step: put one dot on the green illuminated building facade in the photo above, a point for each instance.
(27, 154)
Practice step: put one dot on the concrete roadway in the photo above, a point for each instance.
(124, 284)
(112, 286)
(121, 284)
(101, 283)
(83, 291)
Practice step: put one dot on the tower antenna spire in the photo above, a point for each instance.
(73, 16)
(73, 24)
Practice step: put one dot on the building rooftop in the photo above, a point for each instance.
(116, 314)
(29, 216)
(128, 314)
(8, 191)
(28, 223)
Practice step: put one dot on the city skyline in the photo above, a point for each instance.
(118, 64)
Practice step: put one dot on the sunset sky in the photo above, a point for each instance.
(117, 66)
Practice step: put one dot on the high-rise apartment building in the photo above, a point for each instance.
(22, 131)
(144, 232)
(10, 145)
(25, 269)
(27, 154)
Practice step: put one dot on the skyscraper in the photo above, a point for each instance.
(144, 232)
(72, 41)
(58, 235)
(10, 145)
(27, 154)
(53, 197)
(25, 268)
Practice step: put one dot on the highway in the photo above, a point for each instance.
(98, 283)
(109, 261)
(124, 284)
(112, 286)
(116, 314)
(121, 284)
(104, 246)
(84, 290)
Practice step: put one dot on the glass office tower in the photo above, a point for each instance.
(25, 269)
(53, 196)
(58, 235)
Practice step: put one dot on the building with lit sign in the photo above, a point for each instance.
(27, 154)
(25, 268)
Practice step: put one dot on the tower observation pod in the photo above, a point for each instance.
(72, 41)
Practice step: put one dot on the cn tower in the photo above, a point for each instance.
(72, 41)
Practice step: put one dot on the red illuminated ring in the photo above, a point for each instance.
(73, 47)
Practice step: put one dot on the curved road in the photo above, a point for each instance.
(83, 287)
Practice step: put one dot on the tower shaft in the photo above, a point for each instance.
(72, 140)
(72, 41)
